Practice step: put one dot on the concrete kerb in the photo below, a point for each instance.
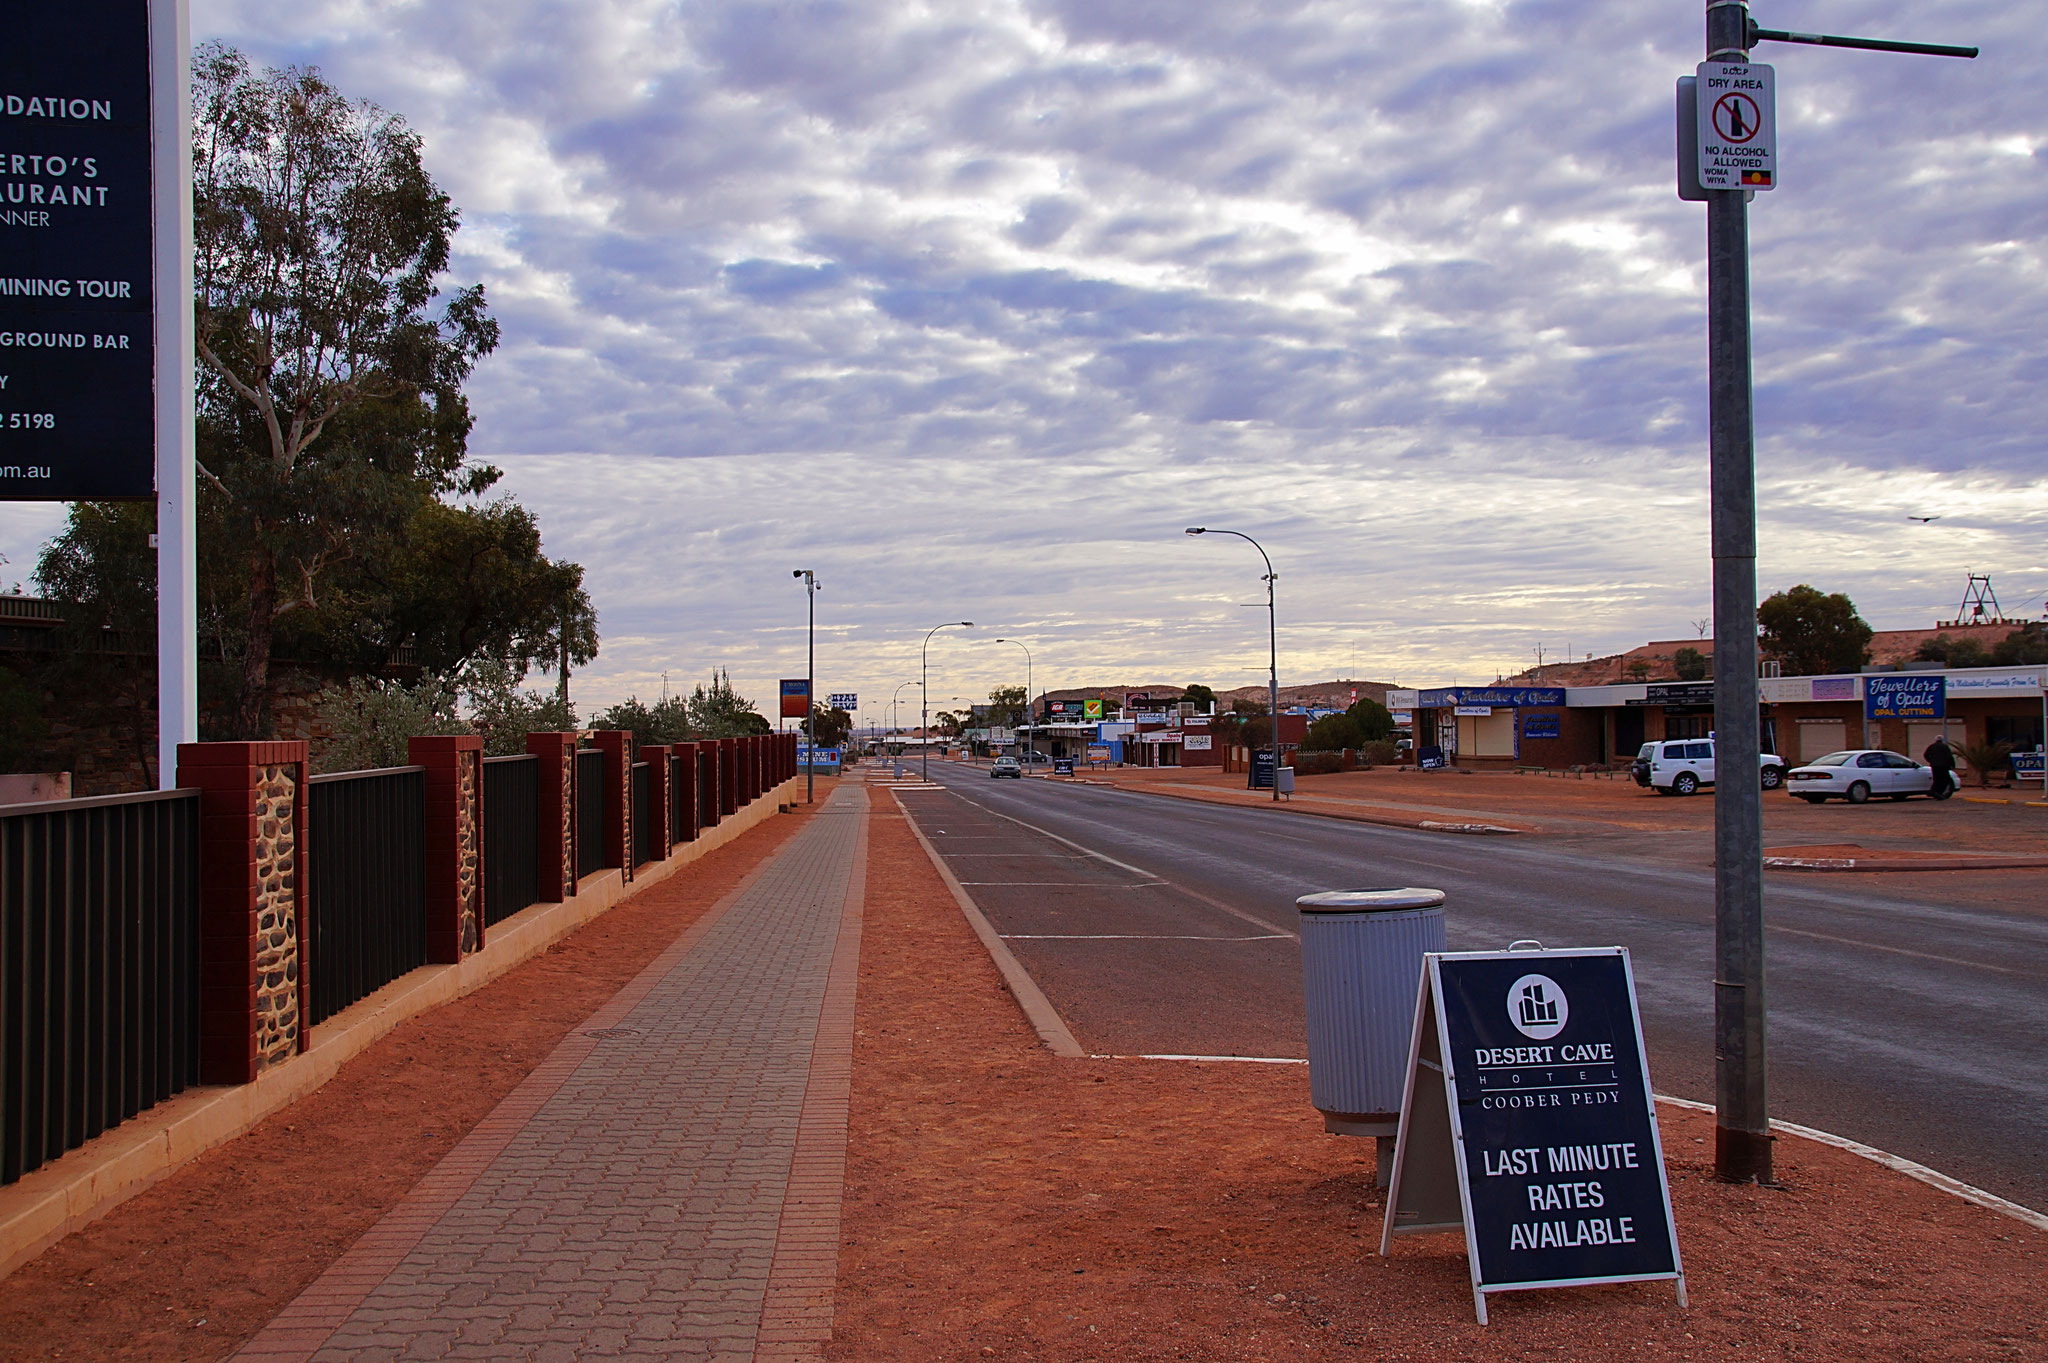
(1038, 1009)
(1933, 1178)
(85, 1184)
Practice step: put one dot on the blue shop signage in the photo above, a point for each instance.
(1540, 726)
(1905, 696)
(1531, 697)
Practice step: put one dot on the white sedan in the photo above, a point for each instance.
(1860, 773)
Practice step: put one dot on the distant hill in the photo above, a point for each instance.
(1328, 694)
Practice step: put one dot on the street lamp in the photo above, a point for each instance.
(1030, 710)
(811, 590)
(924, 693)
(1272, 643)
(894, 727)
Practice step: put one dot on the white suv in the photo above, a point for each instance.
(1682, 766)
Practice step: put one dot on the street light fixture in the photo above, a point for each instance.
(894, 727)
(811, 590)
(1272, 643)
(924, 692)
(1030, 709)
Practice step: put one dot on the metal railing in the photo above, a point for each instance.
(366, 856)
(99, 967)
(646, 835)
(589, 812)
(511, 835)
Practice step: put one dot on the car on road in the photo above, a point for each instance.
(1682, 766)
(1006, 766)
(1033, 757)
(1856, 774)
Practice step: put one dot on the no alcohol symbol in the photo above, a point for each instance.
(1736, 117)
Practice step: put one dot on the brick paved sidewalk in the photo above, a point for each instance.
(667, 1183)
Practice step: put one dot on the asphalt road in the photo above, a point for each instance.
(1167, 927)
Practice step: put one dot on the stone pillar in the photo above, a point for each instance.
(555, 846)
(455, 819)
(660, 810)
(617, 747)
(252, 963)
(750, 769)
(687, 784)
(728, 776)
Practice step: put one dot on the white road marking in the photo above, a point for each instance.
(1896, 951)
(1132, 937)
(1071, 884)
(1210, 1059)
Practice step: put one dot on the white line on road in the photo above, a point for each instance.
(1072, 884)
(1231, 1059)
(1896, 951)
(1132, 937)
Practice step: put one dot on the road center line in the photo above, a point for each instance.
(1897, 951)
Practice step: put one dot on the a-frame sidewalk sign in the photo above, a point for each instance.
(1527, 1121)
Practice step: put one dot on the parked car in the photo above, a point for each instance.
(1033, 757)
(1859, 773)
(1006, 766)
(1682, 766)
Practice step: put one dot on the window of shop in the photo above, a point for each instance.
(2023, 732)
(1678, 725)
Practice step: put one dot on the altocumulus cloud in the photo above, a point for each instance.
(971, 306)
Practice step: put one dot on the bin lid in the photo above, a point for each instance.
(1369, 901)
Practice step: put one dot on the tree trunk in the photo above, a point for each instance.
(252, 709)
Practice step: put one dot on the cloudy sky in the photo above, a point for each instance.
(972, 306)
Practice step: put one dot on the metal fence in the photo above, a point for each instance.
(367, 881)
(99, 967)
(682, 792)
(707, 787)
(646, 836)
(589, 812)
(511, 835)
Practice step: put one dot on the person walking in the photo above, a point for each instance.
(1940, 757)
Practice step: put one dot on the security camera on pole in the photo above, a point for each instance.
(1727, 151)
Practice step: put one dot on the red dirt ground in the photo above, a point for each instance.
(1002, 1203)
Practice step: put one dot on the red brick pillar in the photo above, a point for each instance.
(455, 819)
(660, 810)
(709, 801)
(687, 785)
(555, 847)
(789, 744)
(728, 776)
(617, 747)
(252, 898)
(750, 768)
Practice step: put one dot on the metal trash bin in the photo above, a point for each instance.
(1361, 967)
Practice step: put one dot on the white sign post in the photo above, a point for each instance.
(1738, 125)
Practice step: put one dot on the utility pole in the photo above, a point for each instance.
(924, 691)
(563, 685)
(1742, 1134)
(1272, 644)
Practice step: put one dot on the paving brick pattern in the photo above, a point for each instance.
(667, 1183)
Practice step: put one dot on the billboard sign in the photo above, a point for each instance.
(845, 700)
(77, 317)
(1091, 709)
(1905, 695)
(796, 697)
(1528, 1123)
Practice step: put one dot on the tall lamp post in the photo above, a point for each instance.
(811, 590)
(924, 691)
(1030, 709)
(1272, 643)
(894, 727)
